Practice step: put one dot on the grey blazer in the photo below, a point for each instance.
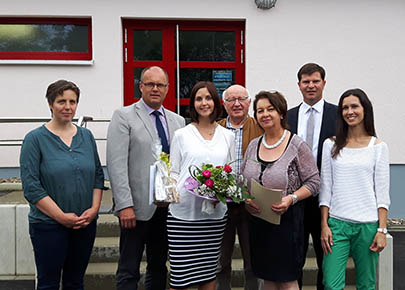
(129, 156)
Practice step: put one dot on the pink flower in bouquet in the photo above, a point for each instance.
(227, 168)
(206, 173)
(209, 182)
(219, 166)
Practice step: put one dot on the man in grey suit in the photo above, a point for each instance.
(129, 156)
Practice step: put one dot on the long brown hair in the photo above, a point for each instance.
(342, 128)
(215, 97)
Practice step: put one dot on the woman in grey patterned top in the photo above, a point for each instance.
(279, 160)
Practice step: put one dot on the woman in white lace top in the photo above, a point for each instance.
(354, 196)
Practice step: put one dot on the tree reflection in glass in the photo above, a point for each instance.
(43, 38)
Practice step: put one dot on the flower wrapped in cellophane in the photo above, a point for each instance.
(164, 186)
(217, 183)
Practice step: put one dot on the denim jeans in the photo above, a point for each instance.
(58, 250)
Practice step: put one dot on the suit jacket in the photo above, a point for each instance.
(129, 156)
(328, 127)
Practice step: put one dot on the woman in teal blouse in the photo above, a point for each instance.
(63, 181)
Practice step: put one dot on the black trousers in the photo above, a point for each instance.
(238, 222)
(312, 226)
(151, 234)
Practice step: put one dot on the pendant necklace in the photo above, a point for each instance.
(275, 144)
(209, 133)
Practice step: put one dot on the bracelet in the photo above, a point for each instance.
(294, 198)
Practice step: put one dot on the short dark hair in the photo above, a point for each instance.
(278, 102)
(341, 126)
(215, 97)
(57, 88)
(153, 66)
(309, 69)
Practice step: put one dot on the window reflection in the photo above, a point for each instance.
(222, 78)
(43, 38)
(207, 45)
(147, 45)
(137, 80)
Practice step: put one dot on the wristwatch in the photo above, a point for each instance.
(294, 198)
(382, 230)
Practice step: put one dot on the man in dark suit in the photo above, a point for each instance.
(314, 120)
(132, 131)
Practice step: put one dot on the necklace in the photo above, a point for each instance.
(209, 132)
(275, 144)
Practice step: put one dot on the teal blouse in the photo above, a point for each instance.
(66, 174)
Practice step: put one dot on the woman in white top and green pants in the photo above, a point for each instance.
(354, 196)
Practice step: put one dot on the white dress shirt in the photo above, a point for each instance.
(303, 116)
(162, 118)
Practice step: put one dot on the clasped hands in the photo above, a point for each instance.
(71, 220)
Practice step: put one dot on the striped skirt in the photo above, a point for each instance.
(194, 248)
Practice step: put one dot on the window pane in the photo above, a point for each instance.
(222, 78)
(207, 45)
(43, 38)
(147, 45)
(137, 80)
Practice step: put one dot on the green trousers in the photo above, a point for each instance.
(355, 238)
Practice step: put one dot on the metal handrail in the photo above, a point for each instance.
(81, 121)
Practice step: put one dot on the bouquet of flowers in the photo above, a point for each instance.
(217, 183)
(163, 186)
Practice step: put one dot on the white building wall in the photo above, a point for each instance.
(359, 43)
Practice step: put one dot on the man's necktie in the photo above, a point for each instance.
(161, 132)
(310, 128)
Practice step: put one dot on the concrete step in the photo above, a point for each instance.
(311, 272)
(108, 227)
(21, 282)
(28, 283)
(106, 249)
(102, 276)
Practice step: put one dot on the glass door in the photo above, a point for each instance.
(208, 51)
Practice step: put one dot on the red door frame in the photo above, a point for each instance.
(168, 61)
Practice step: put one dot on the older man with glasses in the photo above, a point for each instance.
(236, 102)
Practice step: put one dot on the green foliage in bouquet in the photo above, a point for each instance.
(219, 182)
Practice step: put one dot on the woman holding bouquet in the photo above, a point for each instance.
(354, 197)
(195, 225)
(278, 160)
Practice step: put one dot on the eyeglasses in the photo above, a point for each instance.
(240, 99)
(152, 85)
